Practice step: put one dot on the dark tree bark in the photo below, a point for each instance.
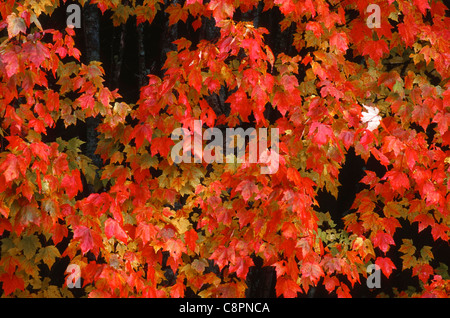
(142, 70)
(118, 57)
(91, 29)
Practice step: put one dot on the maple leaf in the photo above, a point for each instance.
(197, 24)
(398, 180)
(40, 150)
(176, 248)
(383, 240)
(440, 231)
(339, 40)
(375, 49)
(29, 245)
(287, 287)
(323, 134)
(330, 283)
(161, 145)
(112, 228)
(191, 238)
(28, 214)
(36, 52)
(84, 234)
(199, 265)
(11, 283)
(223, 255)
(408, 30)
(443, 122)
(247, 189)
(371, 117)
(176, 13)
(343, 291)
(241, 266)
(10, 168)
(280, 268)
(424, 221)
(315, 27)
(177, 290)
(86, 101)
(240, 104)
(48, 255)
(16, 25)
(312, 270)
(222, 9)
(59, 232)
(423, 271)
(430, 194)
(391, 143)
(141, 133)
(385, 265)
(11, 61)
(146, 232)
(72, 183)
(423, 5)
(421, 114)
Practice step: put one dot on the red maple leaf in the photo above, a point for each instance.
(10, 168)
(343, 291)
(112, 228)
(423, 271)
(59, 231)
(440, 231)
(383, 240)
(339, 40)
(240, 104)
(11, 282)
(83, 233)
(330, 283)
(36, 52)
(322, 133)
(190, 238)
(287, 287)
(385, 265)
(146, 232)
(423, 5)
(221, 9)
(424, 220)
(312, 270)
(86, 101)
(11, 61)
(375, 49)
(142, 132)
(398, 180)
(247, 189)
(177, 290)
(241, 266)
(72, 183)
(161, 145)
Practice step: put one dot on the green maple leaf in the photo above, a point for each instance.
(48, 255)
(29, 245)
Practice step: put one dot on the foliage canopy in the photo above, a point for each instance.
(153, 228)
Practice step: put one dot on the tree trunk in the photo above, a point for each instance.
(118, 57)
(91, 29)
(142, 70)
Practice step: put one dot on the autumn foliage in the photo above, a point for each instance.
(153, 228)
